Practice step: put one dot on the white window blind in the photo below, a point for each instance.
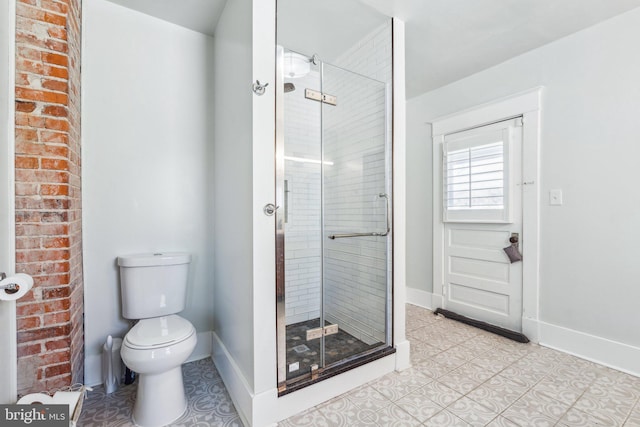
(475, 175)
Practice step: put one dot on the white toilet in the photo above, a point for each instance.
(153, 289)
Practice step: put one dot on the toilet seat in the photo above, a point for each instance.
(158, 332)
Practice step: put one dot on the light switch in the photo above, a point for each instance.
(555, 197)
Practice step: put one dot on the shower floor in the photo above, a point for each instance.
(337, 347)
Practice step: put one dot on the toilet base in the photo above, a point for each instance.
(160, 398)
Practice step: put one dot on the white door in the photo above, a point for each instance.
(482, 210)
(7, 257)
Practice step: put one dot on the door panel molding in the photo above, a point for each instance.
(528, 105)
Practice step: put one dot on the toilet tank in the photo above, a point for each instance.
(154, 284)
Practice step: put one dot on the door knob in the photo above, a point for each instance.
(269, 209)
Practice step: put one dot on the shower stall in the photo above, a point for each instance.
(333, 219)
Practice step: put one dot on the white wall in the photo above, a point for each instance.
(146, 112)
(233, 190)
(589, 267)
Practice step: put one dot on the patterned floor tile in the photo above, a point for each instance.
(440, 393)
(576, 418)
(538, 402)
(368, 398)
(393, 416)
(472, 412)
(465, 378)
(497, 397)
(562, 389)
(418, 405)
(393, 386)
(310, 418)
(341, 412)
(208, 404)
(445, 419)
(501, 421)
(607, 407)
(527, 385)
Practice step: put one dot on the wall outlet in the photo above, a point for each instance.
(331, 329)
(313, 334)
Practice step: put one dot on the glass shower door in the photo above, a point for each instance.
(333, 225)
(356, 213)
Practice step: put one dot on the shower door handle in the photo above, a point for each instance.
(374, 233)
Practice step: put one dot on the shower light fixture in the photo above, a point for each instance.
(296, 65)
(303, 160)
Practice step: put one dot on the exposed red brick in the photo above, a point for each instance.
(42, 229)
(57, 318)
(29, 349)
(51, 136)
(56, 242)
(28, 323)
(56, 85)
(26, 135)
(25, 107)
(48, 192)
(58, 344)
(28, 242)
(43, 333)
(54, 190)
(56, 164)
(58, 33)
(56, 292)
(55, 110)
(42, 175)
(26, 162)
(52, 280)
(41, 95)
(55, 370)
(57, 124)
(23, 309)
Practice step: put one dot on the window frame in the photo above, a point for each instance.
(478, 137)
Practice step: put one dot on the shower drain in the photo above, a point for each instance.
(300, 348)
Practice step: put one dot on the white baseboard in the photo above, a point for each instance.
(531, 329)
(237, 385)
(420, 298)
(266, 409)
(616, 355)
(92, 370)
(93, 362)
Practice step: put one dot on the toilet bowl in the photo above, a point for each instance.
(156, 348)
(153, 289)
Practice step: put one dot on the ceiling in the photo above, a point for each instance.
(446, 40)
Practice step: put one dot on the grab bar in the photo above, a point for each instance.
(375, 233)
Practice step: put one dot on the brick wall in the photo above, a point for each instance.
(48, 197)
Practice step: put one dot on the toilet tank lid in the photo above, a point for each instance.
(154, 259)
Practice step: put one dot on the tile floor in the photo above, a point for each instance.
(461, 376)
(209, 404)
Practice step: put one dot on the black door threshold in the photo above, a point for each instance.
(512, 335)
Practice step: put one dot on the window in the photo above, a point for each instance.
(476, 174)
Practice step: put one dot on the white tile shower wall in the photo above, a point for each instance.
(356, 132)
(302, 135)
